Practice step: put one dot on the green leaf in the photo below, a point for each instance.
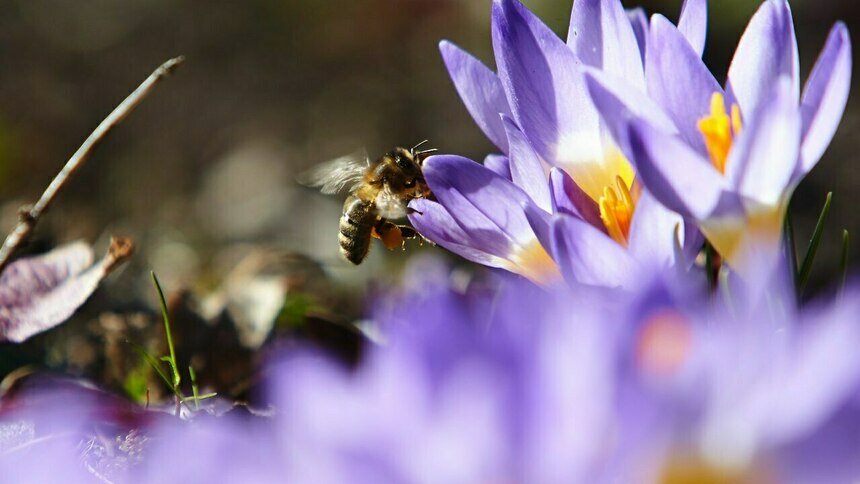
(177, 378)
(814, 243)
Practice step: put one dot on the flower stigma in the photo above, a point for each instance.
(719, 130)
(616, 210)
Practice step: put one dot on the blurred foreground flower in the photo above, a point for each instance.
(518, 384)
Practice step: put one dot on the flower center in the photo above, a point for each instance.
(719, 130)
(534, 263)
(616, 210)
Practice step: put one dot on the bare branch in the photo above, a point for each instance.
(29, 216)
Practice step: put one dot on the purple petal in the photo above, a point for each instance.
(653, 230)
(540, 222)
(639, 21)
(481, 91)
(767, 50)
(825, 96)
(485, 205)
(677, 176)
(820, 373)
(602, 36)
(619, 102)
(545, 89)
(588, 256)
(569, 199)
(435, 223)
(765, 155)
(499, 164)
(526, 168)
(678, 79)
(39, 293)
(693, 23)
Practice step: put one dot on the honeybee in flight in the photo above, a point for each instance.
(379, 192)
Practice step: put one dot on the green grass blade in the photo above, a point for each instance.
(177, 378)
(154, 364)
(790, 244)
(843, 261)
(197, 398)
(195, 391)
(812, 249)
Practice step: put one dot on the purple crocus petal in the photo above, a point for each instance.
(435, 223)
(653, 232)
(766, 51)
(543, 84)
(820, 373)
(480, 89)
(588, 256)
(677, 176)
(540, 222)
(526, 168)
(499, 164)
(569, 199)
(485, 205)
(602, 36)
(693, 23)
(619, 102)
(678, 80)
(765, 155)
(639, 21)
(825, 96)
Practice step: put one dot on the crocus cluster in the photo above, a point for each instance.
(620, 149)
(602, 355)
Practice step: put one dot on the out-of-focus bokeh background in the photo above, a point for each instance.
(202, 175)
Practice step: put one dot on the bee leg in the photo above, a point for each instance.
(410, 210)
(389, 233)
(409, 233)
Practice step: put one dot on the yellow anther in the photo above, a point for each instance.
(616, 210)
(719, 130)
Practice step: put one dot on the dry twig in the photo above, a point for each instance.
(29, 215)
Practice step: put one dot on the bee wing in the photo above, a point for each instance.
(337, 175)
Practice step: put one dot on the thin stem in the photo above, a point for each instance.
(29, 216)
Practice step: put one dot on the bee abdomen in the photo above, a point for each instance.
(356, 226)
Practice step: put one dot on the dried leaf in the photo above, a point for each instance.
(41, 292)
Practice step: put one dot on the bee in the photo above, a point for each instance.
(379, 192)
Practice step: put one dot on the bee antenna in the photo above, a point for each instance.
(418, 145)
(424, 152)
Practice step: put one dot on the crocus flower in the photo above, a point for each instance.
(731, 157)
(537, 111)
